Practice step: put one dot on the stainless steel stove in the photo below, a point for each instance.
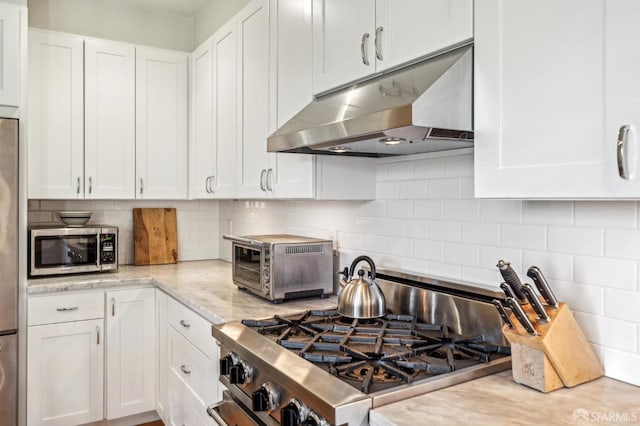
(319, 368)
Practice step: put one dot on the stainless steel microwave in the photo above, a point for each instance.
(56, 250)
(282, 267)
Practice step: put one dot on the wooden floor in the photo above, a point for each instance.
(156, 423)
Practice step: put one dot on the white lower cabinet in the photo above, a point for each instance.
(131, 349)
(162, 354)
(65, 361)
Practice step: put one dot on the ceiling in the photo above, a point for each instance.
(176, 7)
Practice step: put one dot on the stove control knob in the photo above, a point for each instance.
(266, 398)
(225, 364)
(314, 419)
(293, 413)
(240, 373)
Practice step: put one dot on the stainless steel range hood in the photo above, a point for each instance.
(421, 108)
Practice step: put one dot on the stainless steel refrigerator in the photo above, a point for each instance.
(8, 271)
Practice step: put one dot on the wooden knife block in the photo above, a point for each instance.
(560, 356)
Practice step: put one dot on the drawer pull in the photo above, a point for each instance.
(185, 324)
(97, 334)
(185, 369)
(72, 308)
(113, 307)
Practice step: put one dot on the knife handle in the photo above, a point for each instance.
(512, 279)
(502, 312)
(532, 297)
(543, 286)
(507, 290)
(521, 316)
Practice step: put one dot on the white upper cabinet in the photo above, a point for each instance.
(360, 37)
(9, 55)
(255, 164)
(56, 116)
(225, 111)
(201, 148)
(161, 124)
(548, 108)
(109, 141)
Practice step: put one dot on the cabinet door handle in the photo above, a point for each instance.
(262, 175)
(90, 185)
(78, 185)
(113, 307)
(185, 369)
(97, 334)
(141, 186)
(363, 48)
(211, 183)
(269, 179)
(379, 43)
(206, 184)
(72, 308)
(185, 324)
(623, 133)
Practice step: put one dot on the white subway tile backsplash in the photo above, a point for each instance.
(613, 214)
(389, 227)
(376, 208)
(589, 241)
(428, 250)
(605, 272)
(461, 210)
(402, 170)
(547, 212)
(444, 189)
(429, 168)
(553, 265)
(501, 211)
(467, 188)
(461, 254)
(445, 270)
(387, 245)
(400, 209)
(622, 243)
(414, 190)
(458, 165)
(489, 257)
(481, 233)
(486, 277)
(623, 305)
(443, 231)
(387, 190)
(607, 331)
(621, 365)
(413, 228)
(579, 297)
(428, 209)
(523, 236)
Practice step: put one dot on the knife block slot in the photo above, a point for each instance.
(559, 356)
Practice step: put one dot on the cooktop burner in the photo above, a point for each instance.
(376, 354)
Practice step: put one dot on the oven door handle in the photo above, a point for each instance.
(211, 411)
(243, 240)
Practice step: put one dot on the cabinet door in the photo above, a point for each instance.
(56, 116)
(225, 111)
(131, 352)
(162, 363)
(109, 114)
(10, 55)
(622, 96)
(291, 91)
(343, 42)
(201, 151)
(161, 124)
(539, 100)
(253, 100)
(65, 373)
(409, 29)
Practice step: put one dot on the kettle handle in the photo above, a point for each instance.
(365, 259)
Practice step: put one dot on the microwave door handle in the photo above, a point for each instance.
(243, 240)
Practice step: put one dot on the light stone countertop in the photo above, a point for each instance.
(498, 400)
(204, 286)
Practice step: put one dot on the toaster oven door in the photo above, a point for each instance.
(248, 266)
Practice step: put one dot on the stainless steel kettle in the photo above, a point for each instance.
(360, 297)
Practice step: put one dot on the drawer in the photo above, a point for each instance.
(196, 369)
(184, 407)
(65, 307)
(193, 327)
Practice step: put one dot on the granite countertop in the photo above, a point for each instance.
(204, 286)
(498, 400)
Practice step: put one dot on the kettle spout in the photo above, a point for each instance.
(344, 280)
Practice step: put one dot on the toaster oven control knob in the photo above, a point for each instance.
(293, 413)
(240, 373)
(226, 362)
(314, 419)
(265, 398)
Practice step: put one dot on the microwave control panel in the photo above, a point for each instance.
(107, 248)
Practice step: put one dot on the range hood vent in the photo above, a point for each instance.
(423, 107)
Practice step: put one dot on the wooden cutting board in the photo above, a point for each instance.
(155, 236)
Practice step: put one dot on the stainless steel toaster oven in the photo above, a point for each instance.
(282, 267)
